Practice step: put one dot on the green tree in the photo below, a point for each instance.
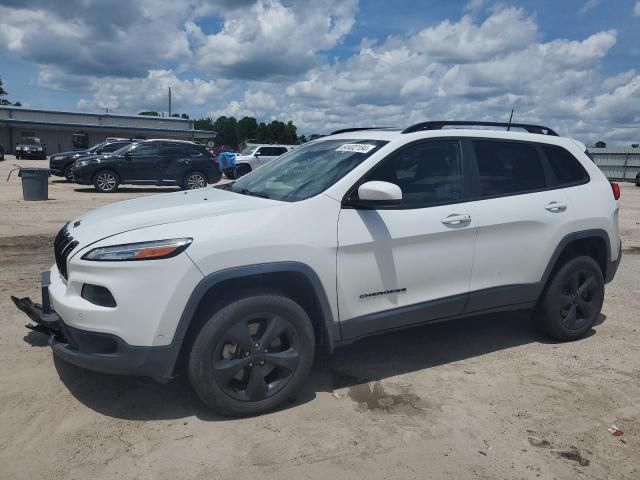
(247, 127)
(150, 113)
(204, 124)
(226, 129)
(3, 94)
(600, 144)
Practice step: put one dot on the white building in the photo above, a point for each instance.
(64, 131)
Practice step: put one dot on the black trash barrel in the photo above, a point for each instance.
(35, 183)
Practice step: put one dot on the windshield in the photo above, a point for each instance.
(307, 170)
(124, 149)
(31, 140)
(96, 147)
(248, 150)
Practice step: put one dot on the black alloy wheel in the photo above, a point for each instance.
(256, 357)
(572, 302)
(252, 355)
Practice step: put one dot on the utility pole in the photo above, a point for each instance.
(169, 102)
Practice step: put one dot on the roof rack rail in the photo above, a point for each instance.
(356, 129)
(439, 125)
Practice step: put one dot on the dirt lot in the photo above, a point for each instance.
(479, 398)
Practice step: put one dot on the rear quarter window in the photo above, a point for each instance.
(567, 169)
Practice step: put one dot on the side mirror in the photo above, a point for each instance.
(377, 194)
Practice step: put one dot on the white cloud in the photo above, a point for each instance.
(636, 9)
(151, 93)
(271, 40)
(589, 5)
(463, 70)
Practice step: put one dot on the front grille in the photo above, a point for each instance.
(63, 245)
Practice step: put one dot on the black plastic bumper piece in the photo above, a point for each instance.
(97, 351)
(107, 353)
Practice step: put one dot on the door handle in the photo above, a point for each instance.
(456, 219)
(556, 207)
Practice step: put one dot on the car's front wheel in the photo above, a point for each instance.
(572, 301)
(195, 180)
(106, 181)
(252, 355)
(68, 173)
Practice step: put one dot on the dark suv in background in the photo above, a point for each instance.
(151, 162)
(31, 147)
(61, 163)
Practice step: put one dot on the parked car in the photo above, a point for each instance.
(61, 164)
(1, 153)
(150, 162)
(31, 147)
(638, 180)
(254, 156)
(354, 234)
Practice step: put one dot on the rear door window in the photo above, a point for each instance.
(508, 168)
(567, 169)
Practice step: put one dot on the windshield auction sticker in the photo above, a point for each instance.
(356, 148)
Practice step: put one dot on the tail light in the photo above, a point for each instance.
(616, 190)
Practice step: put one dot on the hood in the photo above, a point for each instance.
(71, 153)
(162, 209)
(100, 156)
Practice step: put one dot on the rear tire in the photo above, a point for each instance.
(106, 181)
(194, 181)
(252, 355)
(241, 170)
(572, 301)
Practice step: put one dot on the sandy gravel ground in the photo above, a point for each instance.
(481, 398)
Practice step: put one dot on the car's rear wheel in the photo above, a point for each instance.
(241, 170)
(252, 355)
(68, 173)
(106, 181)
(572, 301)
(195, 180)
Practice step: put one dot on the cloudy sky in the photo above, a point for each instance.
(571, 64)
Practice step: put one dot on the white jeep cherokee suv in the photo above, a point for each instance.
(360, 232)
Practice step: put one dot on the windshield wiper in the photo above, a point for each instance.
(246, 191)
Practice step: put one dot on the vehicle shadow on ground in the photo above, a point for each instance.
(369, 360)
(167, 189)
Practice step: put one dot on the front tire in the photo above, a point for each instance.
(572, 301)
(252, 355)
(106, 181)
(68, 173)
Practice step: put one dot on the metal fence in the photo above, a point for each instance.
(617, 163)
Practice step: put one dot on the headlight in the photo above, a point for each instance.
(18, 148)
(81, 163)
(39, 149)
(154, 250)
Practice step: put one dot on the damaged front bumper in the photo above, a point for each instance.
(96, 351)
